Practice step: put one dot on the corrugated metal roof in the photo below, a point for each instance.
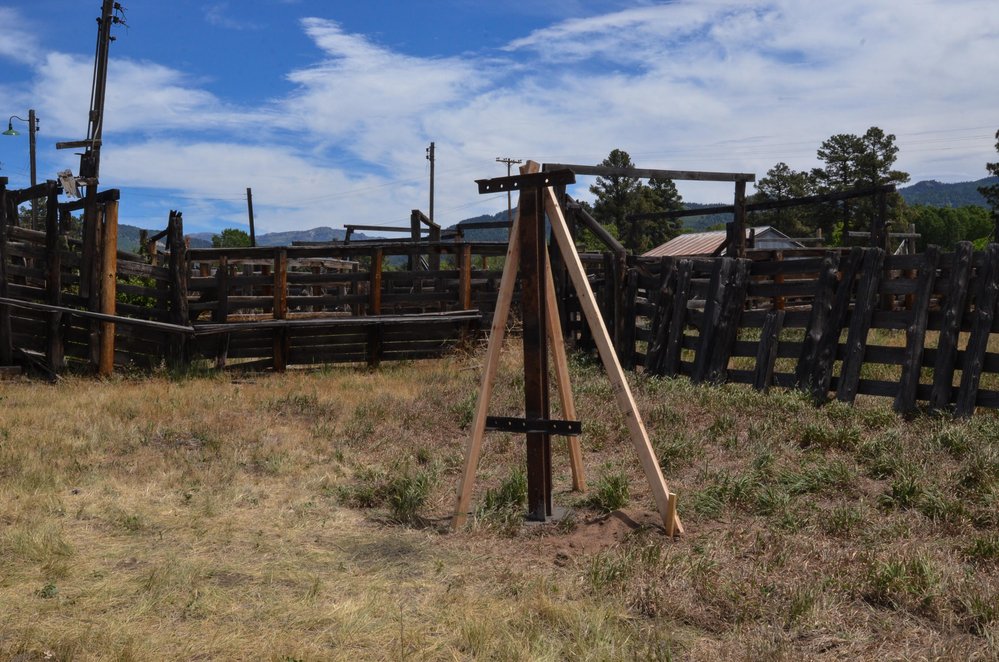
(711, 243)
(695, 243)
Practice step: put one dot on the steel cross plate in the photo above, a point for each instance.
(523, 425)
(526, 182)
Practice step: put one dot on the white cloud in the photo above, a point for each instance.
(711, 85)
(16, 40)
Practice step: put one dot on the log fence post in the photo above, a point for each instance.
(280, 308)
(108, 288)
(55, 350)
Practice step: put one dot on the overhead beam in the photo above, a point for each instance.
(652, 173)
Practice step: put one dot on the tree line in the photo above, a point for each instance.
(848, 161)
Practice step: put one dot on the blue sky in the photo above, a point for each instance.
(325, 108)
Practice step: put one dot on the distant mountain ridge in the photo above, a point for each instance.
(937, 194)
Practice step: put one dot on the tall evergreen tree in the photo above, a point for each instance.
(853, 161)
(783, 183)
(620, 196)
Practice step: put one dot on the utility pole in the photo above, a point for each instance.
(249, 211)
(509, 201)
(31, 152)
(430, 157)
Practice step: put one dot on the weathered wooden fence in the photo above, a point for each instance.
(252, 306)
(916, 328)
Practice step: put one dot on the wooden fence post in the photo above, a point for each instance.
(817, 321)
(375, 282)
(915, 333)
(108, 290)
(626, 349)
(55, 351)
(93, 278)
(674, 341)
(953, 311)
(860, 324)
(986, 295)
(178, 286)
(280, 308)
(465, 277)
(374, 344)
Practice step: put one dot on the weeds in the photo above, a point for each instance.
(610, 492)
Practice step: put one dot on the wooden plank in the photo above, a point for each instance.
(661, 321)
(678, 320)
(860, 324)
(279, 308)
(562, 381)
(626, 350)
(817, 319)
(221, 312)
(375, 282)
(821, 374)
(109, 281)
(986, 295)
(465, 277)
(915, 336)
(713, 306)
(178, 266)
(473, 448)
(766, 355)
(622, 392)
(86, 314)
(953, 310)
(728, 322)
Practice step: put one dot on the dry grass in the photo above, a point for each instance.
(303, 517)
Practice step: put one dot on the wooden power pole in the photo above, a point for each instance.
(249, 211)
(509, 200)
(430, 157)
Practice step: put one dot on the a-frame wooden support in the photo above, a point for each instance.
(665, 500)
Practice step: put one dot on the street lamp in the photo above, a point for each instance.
(32, 128)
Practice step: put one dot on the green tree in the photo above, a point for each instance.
(783, 183)
(619, 197)
(945, 226)
(231, 238)
(853, 161)
(991, 193)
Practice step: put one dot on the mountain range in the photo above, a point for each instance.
(928, 192)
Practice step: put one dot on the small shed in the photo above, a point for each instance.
(709, 244)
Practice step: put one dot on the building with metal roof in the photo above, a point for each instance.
(708, 244)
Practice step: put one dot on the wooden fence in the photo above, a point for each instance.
(67, 301)
(916, 328)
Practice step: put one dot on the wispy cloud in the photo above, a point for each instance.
(713, 85)
(17, 43)
(221, 15)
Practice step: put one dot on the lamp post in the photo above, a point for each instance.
(32, 128)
